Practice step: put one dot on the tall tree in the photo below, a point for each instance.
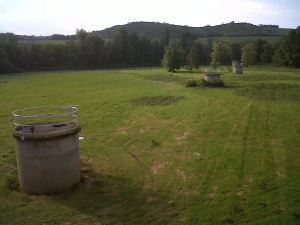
(81, 35)
(174, 56)
(95, 50)
(220, 47)
(92, 50)
(5, 65)
(121, 51)
(235, 51)
(9, 42)
(288, 50)
(248, 54)
(259, 43)
(268, 52)
(165, 38)
(156, 51)
(187, 40)
(192, 59)
(72, 54)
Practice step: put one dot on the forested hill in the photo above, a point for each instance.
(153, 29)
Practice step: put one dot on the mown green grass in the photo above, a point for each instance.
(211, 157)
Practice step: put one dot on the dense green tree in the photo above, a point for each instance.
(268, 52)
(9, 42)
(91, 49)
(8, 39)
(120, 49)
(5, 65)
(165, 38)
(81, 35)
(192, 59)
(248, 54)
(278, 58)
(72, 55)
(220, 48)
(288, 49)
(259, 43)
(95, 50)
(156, 51)
(235, 51)
(144, 50)
(187, 40)
(173, 57)
(139, 53)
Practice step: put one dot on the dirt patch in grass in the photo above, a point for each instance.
(181, 173)
(156, 167)
(87, 177)
(271, 91)
(155, 100)
(240, 191)
(182, 138)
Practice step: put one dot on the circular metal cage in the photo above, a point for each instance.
(44, 120)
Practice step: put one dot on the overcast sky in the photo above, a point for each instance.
(41, 17)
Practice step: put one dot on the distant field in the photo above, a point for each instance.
(270, 39)
(157, 152)
(48, 41)
(203, 40)
(43, 41)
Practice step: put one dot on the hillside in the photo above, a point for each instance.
(237, 31)
(152, 29)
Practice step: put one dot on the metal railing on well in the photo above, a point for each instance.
(43, 116)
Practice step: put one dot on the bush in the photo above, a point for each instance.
(205, 83)
(192, 83)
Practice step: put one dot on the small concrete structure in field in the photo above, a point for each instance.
(237, 67)
(47, 148)
(212, 76)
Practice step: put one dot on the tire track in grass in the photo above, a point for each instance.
(206, 188)
(147, 174)
(245, 142)
(211, 165)
(266, 181)
(269, 182)
(231, 139)
(239, 117)
(244, 116)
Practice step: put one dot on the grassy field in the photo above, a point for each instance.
(158, 152)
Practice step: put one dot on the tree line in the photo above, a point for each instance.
(130, 49)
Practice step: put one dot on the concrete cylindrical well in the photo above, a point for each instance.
(212, 76)
(47, 148)
(237, 67)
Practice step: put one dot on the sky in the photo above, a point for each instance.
(45, 17)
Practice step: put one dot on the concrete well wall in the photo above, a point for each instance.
(212, 78)
(238, 69)
(48, 164)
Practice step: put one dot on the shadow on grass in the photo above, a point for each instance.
(113, 200)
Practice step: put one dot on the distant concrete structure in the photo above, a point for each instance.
(212, 76)
(47, 148)
(237, 67)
